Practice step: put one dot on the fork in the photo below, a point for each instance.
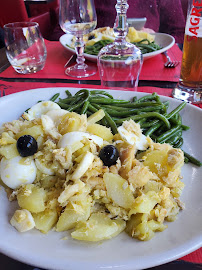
(170, 63)
(3, 93)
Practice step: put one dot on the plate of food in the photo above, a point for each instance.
(150, 44)
(84, 187)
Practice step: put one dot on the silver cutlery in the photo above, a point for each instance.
(170, 63)
(3, 93)
(71, 60)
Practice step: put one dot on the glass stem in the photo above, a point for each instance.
(79, 48)
(121, 25)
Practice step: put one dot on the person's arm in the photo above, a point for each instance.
(172, 19)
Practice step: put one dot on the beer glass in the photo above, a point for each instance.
(189, 87)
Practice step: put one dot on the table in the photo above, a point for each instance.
(10, 81)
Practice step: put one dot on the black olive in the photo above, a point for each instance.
(27, 146)
(91, 37)
(109, 155)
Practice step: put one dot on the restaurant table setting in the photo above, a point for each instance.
(55, 74)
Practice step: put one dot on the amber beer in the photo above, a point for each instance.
(189, 87)
(191, 69)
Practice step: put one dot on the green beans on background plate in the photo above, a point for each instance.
(144, 45)
(149, 111)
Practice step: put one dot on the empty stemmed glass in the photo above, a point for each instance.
(78, 17)
(120, 62)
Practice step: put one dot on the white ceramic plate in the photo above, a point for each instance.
(164, 40)
(51, 252)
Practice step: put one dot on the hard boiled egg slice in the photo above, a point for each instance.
(40, 108)
(22, 220)
(56, 115)
(131, 138)
(17, 171)
(70, 138)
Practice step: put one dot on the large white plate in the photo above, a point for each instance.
(164, 40)
(51, 252)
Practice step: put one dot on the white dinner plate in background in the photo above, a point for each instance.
(164, 40)
(53, 251)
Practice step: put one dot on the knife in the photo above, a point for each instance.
(71, 60)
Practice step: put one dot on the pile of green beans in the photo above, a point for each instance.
(144, 45)
(97, 46)
(148, 111)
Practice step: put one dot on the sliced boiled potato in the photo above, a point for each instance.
(146, 202)
(101, 131)
(72, 215)
(72, 121)
(118, 190)
(95, 117)
(32, 198)
(45, 220)
(34, 131)
(98, 227)
(9, 151)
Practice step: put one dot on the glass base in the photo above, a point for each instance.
(187, 94)
(27, 69)
(76, 72)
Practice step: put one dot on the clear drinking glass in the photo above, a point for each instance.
(189, 87)
(25, 47)
(120, 62)
(78, 17)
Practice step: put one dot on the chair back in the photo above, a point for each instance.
(12, 11)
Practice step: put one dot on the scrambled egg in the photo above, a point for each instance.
(108, 33)
(70, 187)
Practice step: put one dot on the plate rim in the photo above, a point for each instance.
(38, 263)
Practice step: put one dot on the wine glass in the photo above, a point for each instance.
(120, 62)
(78, 17)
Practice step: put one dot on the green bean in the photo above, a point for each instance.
(85, 107)
(75, 106)
(113, 112)
(138, 105)
(92, 108)
(67, 100)
(146, 115)
(169, 133)
(152, 129)
(108, 101)
(114, 107)
(63, 105)
(100, 92)
(175, 137)
(176, 110)
(150, 124)
(68, 93)
(192, 159)
(179, 143)
(184, 127)
(54, 97)
(104, 121)
(153, 96)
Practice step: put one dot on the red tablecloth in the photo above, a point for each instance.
(153, 68)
